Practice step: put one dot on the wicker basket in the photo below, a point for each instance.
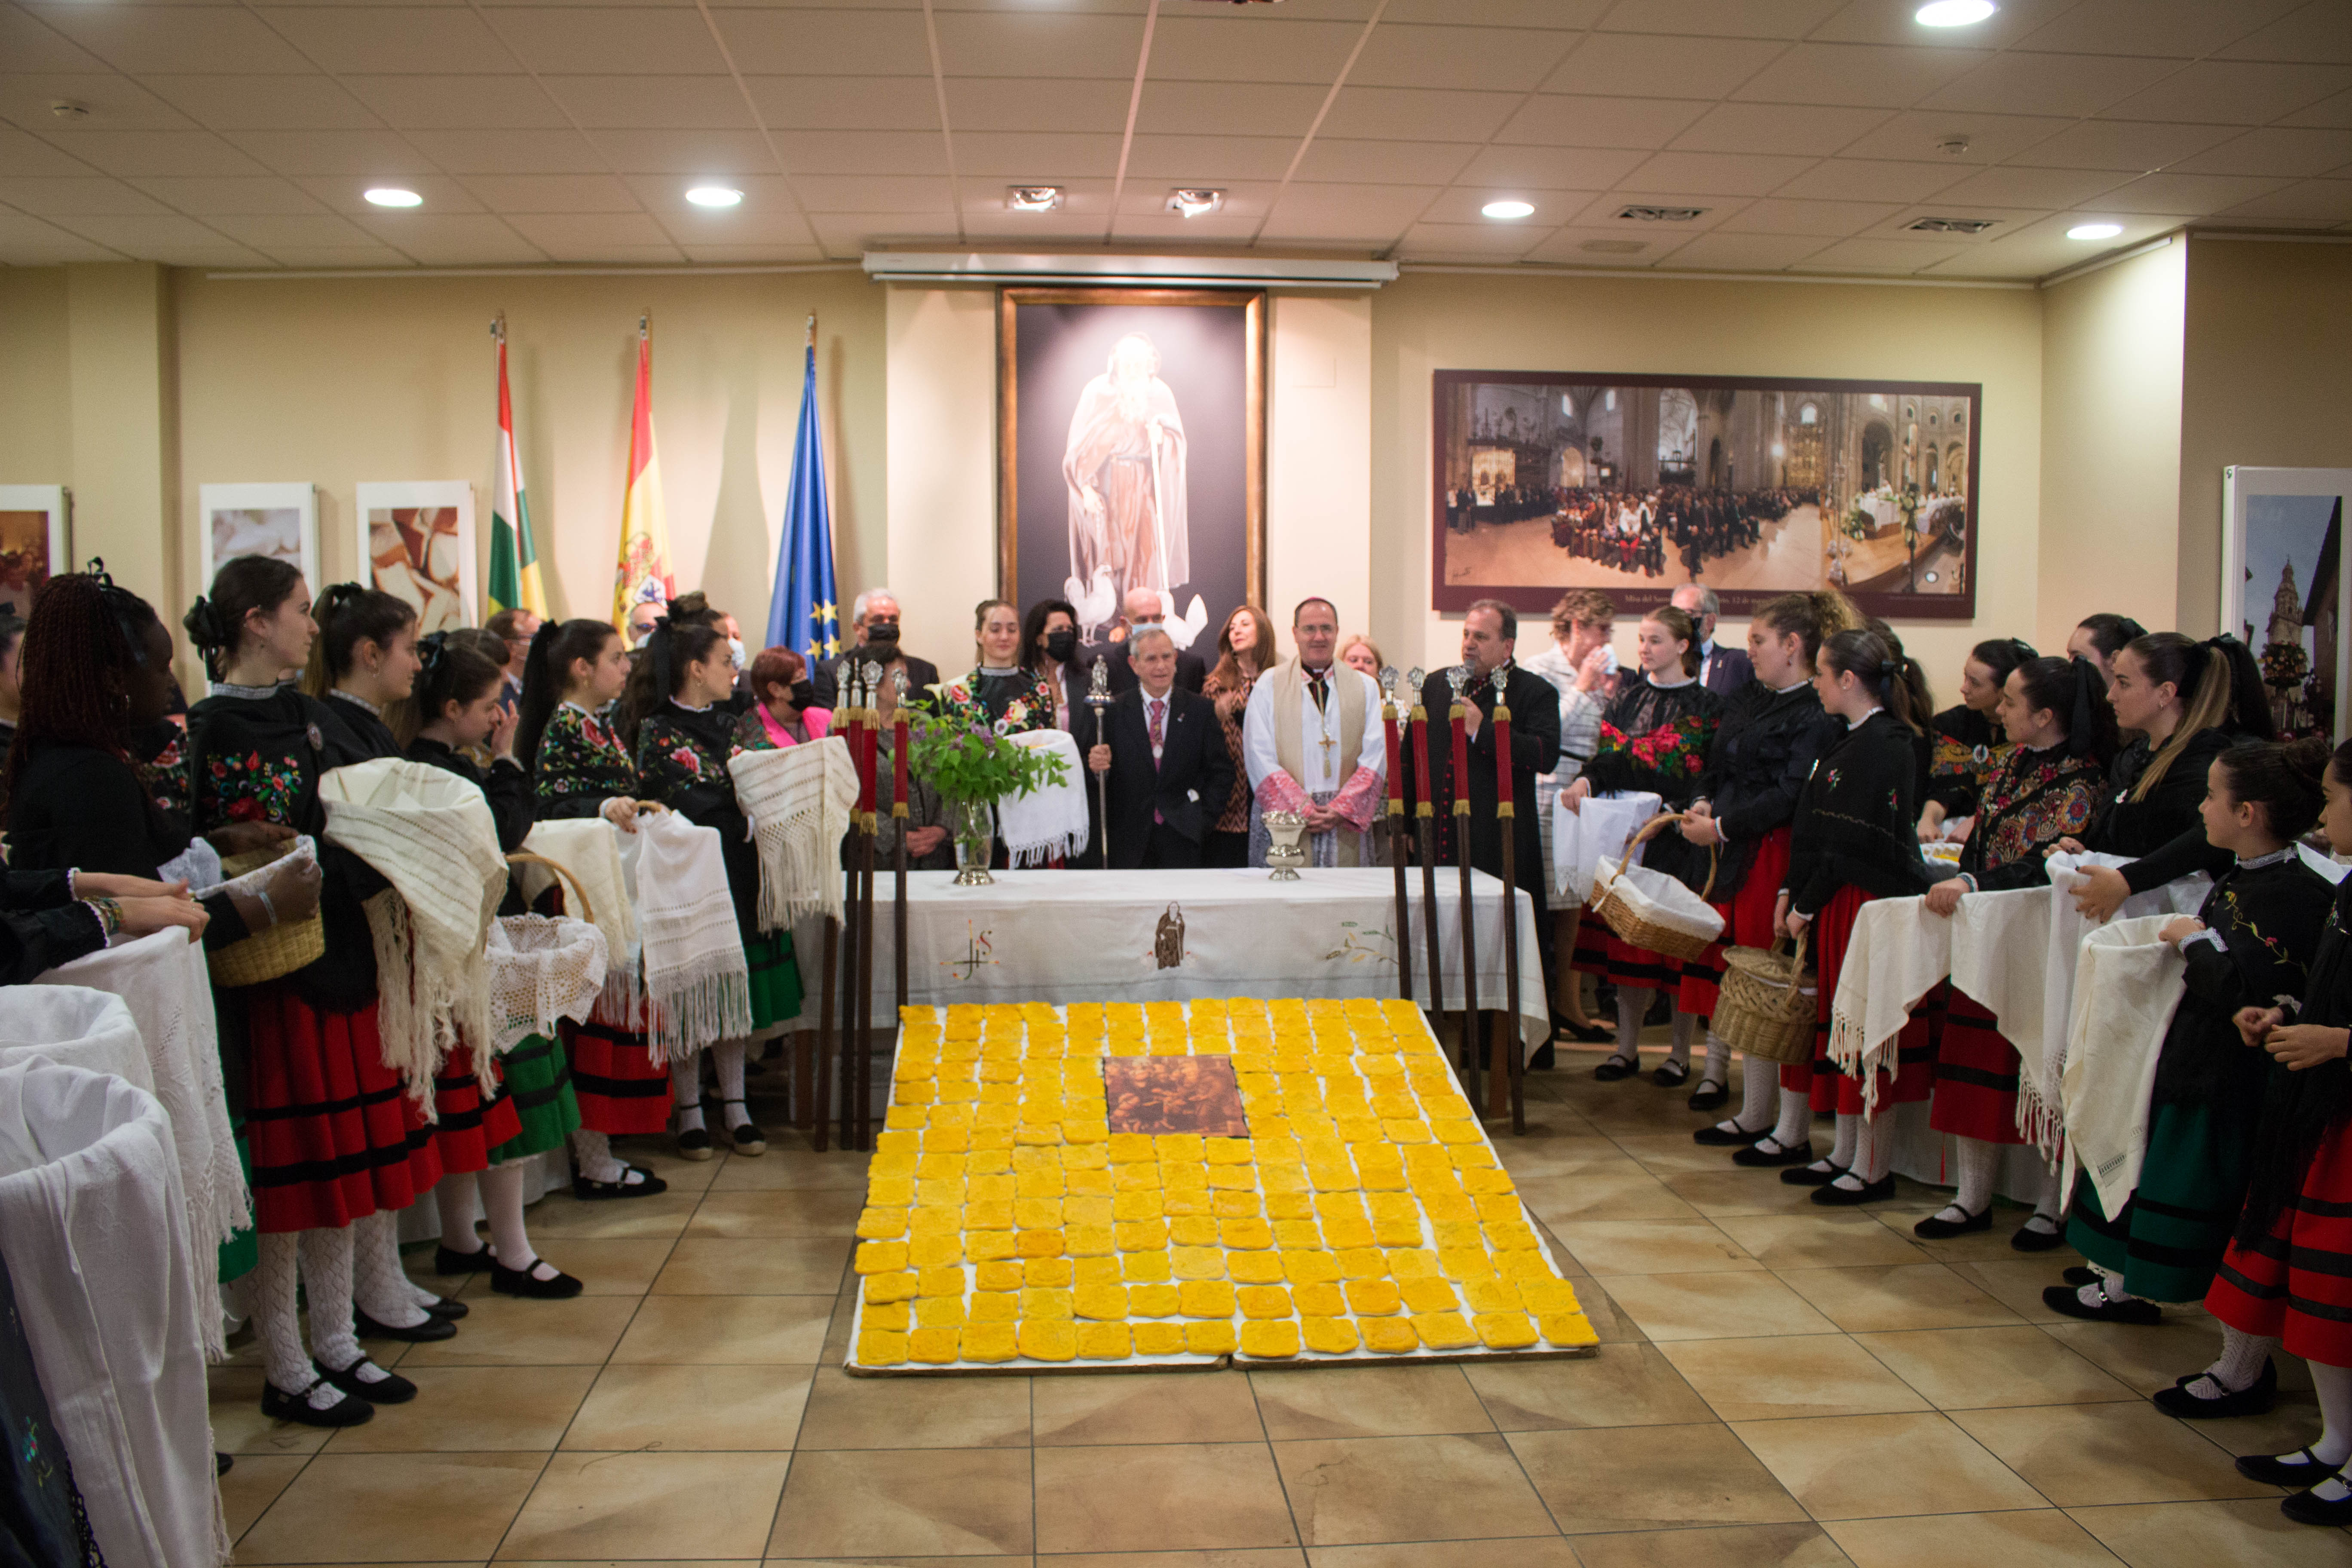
(267, 955)
(587, 911)
(1768, 1007)
(1629, 910)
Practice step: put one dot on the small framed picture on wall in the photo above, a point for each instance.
(279, 521)
(416, 542)
(36, 541)
(2285, 593)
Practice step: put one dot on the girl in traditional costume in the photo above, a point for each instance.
(1021, 700)
(565, 722)
(1969, 745)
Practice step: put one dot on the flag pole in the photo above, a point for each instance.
(812, 329)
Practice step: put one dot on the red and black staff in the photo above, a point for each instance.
(1457, 678)
(1425, 812)
(1397, 832)
(1510, 1063)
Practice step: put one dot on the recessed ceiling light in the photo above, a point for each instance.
(394, 196)
(2095, 231)
(715, 196)
(1196, 201)
(1509, 210)
(1954, 13)
(1032, 198)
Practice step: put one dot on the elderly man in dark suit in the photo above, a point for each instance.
(1720, 669)
(1169, 768)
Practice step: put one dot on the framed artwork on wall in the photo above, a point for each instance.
(1131, 452)
(280, 521)
(36, 541)
(2285, 593)
(1753, 486)
(416, 542)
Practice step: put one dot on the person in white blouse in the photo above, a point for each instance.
(1583, 668)
(1312, 742)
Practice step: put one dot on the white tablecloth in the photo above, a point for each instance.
(1098, 936)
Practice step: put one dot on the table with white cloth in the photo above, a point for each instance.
(1154, 936)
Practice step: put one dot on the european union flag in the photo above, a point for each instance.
(802, 613)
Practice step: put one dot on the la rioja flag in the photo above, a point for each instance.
(515, 582)
(643, 573)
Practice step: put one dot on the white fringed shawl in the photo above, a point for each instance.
(1899, 951)
(590, 848)
(698, 982)
(429, 834)
(1051, 819)
(2127, 987)
(798, 799)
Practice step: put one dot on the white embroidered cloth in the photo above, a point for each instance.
(429, 834)
(541, 970)
(698, 982)
(74, 1027)
(1051, 819)
(1899, 951)
(1581, 839)
(2127, 987)
(590, 848)
(95, 1231)
(799, 800)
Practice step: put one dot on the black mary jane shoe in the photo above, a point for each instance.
(444, 1307)
(523, 1282)
(280, 1406)
(694, 1144)
(2027, 1240)
(426, 1333)
(1757, 1157)
(391, 1388)
(221, 1465)
(1716, 1137)
(1805, 1175)
(1836, 1197)
(588, 1191)
(2255, 1399)
(1583, 1034)
(1615, 1069)
(1710, 1096)
(448, 1263)
(2286, 1470)
(2063, 1299)
(1937, 1228)
(2304, 1509)
(1671, 1075)
(2080, 1277)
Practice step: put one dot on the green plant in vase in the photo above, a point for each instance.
(974, 762)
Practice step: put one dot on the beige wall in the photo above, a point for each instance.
(2267, 383)
(36, 421)
(2111, 444)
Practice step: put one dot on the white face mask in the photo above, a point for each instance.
(735, 653)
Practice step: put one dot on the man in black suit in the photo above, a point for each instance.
(1720, 669)
(1169, 769)
(873, 627)
(1144, 613)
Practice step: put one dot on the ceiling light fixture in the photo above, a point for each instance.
(1196, 201)
(715, 196)
(1954, 13)
(2095, 231)
(1032, 198)
(1508, 212)
(394, 196)
(1661, 214)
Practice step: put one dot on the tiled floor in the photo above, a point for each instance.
(1777, 1384)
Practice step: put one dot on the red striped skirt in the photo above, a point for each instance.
(334, 1135)
(1832, 1090)
(620, 1087)
(1747, 922)
(2296, 1283)
(1976, 1074)
(470, 1126)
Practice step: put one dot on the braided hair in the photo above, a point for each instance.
(251, 582)
(1812, 616)
(83, 654)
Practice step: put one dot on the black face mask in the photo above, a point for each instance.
(881, 634)
(1061, 645)
(804, 694)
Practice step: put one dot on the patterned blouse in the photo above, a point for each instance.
(2033, 800)
(581, 764)
(1233, 706)
(1969, 749)
(159, 755)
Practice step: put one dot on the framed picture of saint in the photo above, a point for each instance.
(1131, 453)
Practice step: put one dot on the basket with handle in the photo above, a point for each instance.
(1770, 1003)
(273, 953)
(587, 911)
(1648, 909)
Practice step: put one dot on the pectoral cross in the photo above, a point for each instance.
(1326, 743)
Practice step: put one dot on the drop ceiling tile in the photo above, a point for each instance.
(114, 103)
(452, 240)
(233, 196)
(1636, 65)
(265, 102)
(2049, 236)
(30, 44)
(1607, 247)
(1724, 252)
(685, 152)
(23, 155)
(2005, 221)
(845, 103)
(2334, 114)
(1222, 228)
(1149, 198)
(1890, 22)
(1827, 219)
(423, 40)
(2012, 186)
(1038, 44)
(74, 196)
(1213, 158)
(1466, 59)
(29, 242)
(1991, 138)
(2185, 29)
(1003, 103)
(740, 255)
(2235, 92)
(1722, 18)
(553, 192)
(313, 229)
(1473, 242)
(2320, 31)
(1560, 120)
(443, 195)
(1602, 214)
(337, 258)
(2137, 145)
(140, 38)
(1809, 130)
(1870, 74)
(590, 40)
(168, 237)
(518, 152)
(2306, 201)
(1035, 155)
(1331, 160)
(1876, 255)
(1407, 115)
(863, 151)
(1240, 44)
(2292, 154)
(160, 152)
(1561, 13)
(2021, 83)
(652, 102)
(1462, 204)
(817, 43)
(588, 236)
(846, 234)
(2015, 263)
(1551, 168)
(1872, 180)
(1716, 173)
(2192, 195)
(1355, 215)
(458, 103)
(1243, 108)
(355, 152)
(875, 193)
(765, 198)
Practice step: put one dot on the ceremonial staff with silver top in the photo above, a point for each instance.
(1456, 680)
(1424, 821)
(1396, 828)
(860, 1098)
(829, 1008)
(1509, 1060)
(899, 740)
(1098, 697)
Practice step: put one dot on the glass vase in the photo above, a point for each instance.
(973, 825)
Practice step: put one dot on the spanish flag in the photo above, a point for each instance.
(515, 582)
(644, 572)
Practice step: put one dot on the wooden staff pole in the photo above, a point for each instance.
(900, 817)
(1457, 678)
(1425, 819)
(1507, 1065)
(1395, 825)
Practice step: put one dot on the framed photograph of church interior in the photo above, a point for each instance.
(416, 543)
(2285, 593)
(36, 541)
(1131, 452)
(1752, 486)
(281, 520)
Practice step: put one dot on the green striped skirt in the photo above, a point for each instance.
(776, 992)
(2168, 1239)
(540, 1083)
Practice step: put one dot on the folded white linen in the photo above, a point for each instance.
(2127, 987)
(1050, 820)
(1581, 839)
(798, 799)
(1899, 951)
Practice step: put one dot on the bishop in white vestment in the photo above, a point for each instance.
(1311, 741)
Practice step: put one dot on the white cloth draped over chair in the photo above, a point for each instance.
(73, 1027)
